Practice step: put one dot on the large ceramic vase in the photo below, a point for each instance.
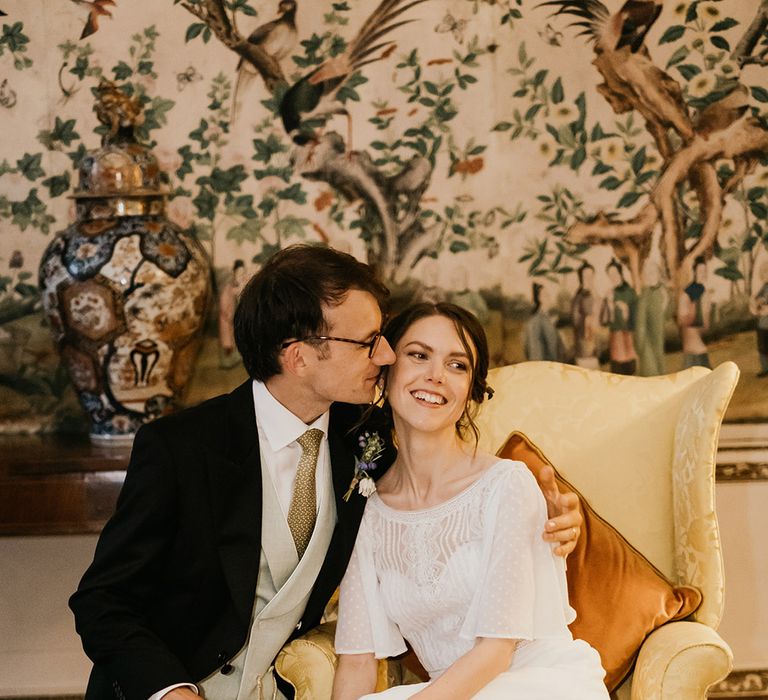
(125, 290)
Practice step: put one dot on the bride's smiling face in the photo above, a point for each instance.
(429, 383)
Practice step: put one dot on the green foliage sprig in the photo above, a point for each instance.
(14, 40)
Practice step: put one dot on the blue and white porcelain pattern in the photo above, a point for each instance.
(125, 291)
(126, 306)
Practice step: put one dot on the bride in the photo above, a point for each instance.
(449, 554)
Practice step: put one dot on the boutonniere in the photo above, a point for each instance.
(373, 447)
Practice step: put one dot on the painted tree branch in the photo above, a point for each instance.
(214, 14)
(629, 240)
(740, 141)
(721, 130)
(703, 178)
(395, 199)
(742, 168)
(742, 54)
(632, 81)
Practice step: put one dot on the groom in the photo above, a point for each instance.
(231, 531)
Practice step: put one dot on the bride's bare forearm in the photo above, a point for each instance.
(472, 672)
(355, 676)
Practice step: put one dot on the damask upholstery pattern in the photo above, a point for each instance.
(696, 532)
(680, 660)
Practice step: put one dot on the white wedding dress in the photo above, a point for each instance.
(474, 566)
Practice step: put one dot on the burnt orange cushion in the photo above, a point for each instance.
(618, 595)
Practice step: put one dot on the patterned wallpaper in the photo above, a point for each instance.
(589, 178)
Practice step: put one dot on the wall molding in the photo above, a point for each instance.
(741, 471)
(742, 452)
(740, 685)
(743, 435)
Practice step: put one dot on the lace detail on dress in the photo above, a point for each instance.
(441, 577)
(419, 544)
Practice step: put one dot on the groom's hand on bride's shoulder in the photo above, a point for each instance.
(563, 511)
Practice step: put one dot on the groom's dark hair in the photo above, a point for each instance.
(285, 299)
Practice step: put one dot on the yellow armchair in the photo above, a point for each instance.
(642, 451)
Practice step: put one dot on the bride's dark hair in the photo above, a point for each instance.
(475, 344)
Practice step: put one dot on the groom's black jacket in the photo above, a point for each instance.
(169, 595)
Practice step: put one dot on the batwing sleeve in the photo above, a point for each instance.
(363, 625)
(522, 592)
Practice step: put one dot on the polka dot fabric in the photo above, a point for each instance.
(474, 566)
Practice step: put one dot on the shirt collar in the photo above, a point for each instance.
(278, 424)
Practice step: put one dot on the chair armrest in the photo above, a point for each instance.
(679, 661)
(308, 663)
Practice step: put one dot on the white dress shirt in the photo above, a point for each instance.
(280, 453)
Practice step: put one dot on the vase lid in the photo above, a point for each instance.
(122, 167)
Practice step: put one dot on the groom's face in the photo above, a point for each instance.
(344, 371)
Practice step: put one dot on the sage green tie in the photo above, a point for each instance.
(303, 510)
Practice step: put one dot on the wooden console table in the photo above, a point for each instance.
(57, 484)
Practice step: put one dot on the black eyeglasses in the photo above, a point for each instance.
(371, 344)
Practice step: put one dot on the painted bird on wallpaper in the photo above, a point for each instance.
(627, 27)
(312, 100)
(98, 9)
(278, 38)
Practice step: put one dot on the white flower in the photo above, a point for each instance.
(373, 448)
(366, 486)
(611, 152)
(701, 85)
(547, 146)
(562, 114)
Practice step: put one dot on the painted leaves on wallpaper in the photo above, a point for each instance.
(389, 178)
(707, 134)
(295, 140)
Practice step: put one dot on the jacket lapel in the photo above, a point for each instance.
(235, 485)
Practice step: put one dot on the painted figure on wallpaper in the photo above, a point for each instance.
(277, 38)
(585, 318)
(649, 323)
(694, 312)
(541, 340)
(228, 296)
(758, 305)
(618, 314)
